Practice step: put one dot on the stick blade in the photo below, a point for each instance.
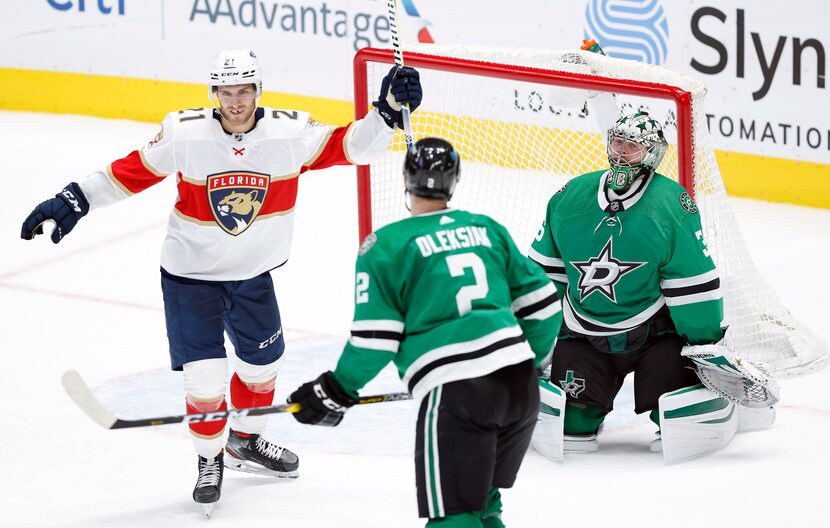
(77, 389)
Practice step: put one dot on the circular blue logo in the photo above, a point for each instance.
(629, 29)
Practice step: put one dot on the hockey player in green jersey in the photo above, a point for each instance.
(624, 247)
(466, 318)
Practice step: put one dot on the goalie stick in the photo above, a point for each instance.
(78, 390)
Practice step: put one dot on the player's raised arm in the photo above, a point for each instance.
(364, 139)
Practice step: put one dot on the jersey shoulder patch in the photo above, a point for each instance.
(368, 242)
(687, 203)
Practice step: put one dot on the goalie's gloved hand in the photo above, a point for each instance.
(741, 381)
(322, 401)
(65, 209)
(402, 85)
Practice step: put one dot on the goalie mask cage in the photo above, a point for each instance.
(524, 121)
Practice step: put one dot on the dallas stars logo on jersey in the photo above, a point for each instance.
(602, 273)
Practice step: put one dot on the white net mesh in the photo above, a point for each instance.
(520, 141)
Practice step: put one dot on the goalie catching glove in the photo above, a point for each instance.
(322, 401)
(740, 381)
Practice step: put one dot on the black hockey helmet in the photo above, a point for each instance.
(432, 169)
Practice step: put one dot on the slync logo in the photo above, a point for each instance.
(629, 29)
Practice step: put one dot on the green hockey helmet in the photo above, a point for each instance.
(636, 146)
(431, 169)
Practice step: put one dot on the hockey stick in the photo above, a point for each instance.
(78, 390)
(392, 6)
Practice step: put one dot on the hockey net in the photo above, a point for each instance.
(525, 121)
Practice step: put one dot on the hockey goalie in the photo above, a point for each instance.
(641, 294)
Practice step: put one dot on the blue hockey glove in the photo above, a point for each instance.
(322, 401)
(65, 209)
(399, 87)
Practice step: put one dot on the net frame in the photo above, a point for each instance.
(768, 330)
(682, 99)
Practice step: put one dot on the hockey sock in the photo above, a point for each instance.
(207, 436)
(459, 520)
(654, 416)
(582, 419)
(491, 515)
(244, 396)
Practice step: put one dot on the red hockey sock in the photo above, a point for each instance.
(207, 429)
(242, 397)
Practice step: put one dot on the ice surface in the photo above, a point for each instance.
(93, 303)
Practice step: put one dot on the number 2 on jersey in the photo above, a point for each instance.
(361, 293)
(467, 294)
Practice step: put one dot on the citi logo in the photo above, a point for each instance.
(769, 57)
(629, 29)
(81, 5)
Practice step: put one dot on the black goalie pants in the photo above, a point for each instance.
(592, 377)
(472, 435)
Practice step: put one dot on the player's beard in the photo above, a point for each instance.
(237, 116)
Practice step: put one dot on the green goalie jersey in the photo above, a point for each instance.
(624, 263)
(446, 296)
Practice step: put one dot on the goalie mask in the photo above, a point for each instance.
(636, 146)
(234, 67)
(432, 170)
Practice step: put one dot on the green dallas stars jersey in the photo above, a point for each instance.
(621, 259)
(446, 296)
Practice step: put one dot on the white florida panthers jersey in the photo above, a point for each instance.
(234, 213)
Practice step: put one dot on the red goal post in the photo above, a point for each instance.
(681, 98)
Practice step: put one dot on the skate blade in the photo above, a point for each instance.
(255, 469)
(207, 509)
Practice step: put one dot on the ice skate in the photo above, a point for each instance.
(656, 445)
(209, 484)
(581, 443)
(254, 454)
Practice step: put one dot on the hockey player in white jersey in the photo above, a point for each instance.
(236, 167)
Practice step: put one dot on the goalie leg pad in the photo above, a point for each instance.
(548, 439)
(695, 422)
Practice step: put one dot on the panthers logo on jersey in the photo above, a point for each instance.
(236, 198)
